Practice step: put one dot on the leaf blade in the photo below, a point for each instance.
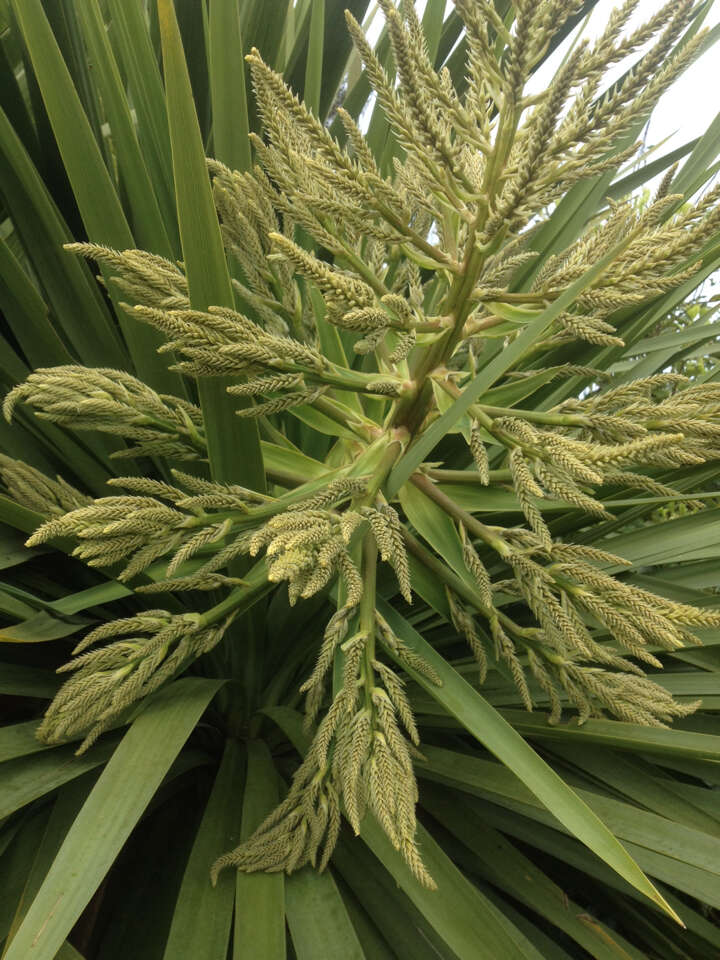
(233, 445)
(259, 897)
(203, 915)
(109, 814)
(485, 723)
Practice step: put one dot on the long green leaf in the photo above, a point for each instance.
(318, 921)
(68, 801)
(314, 65)
(404, 928)
(15, 866)
(149, 228)
(638, 781)
(695, 169)
(488, 726)
(30, 777)
(203, 914)
(20, 681)
(83, 318)
(231, 127)
(621, 188)
(259, 897)
(18, 740)
(470, 925)
(507, 868)
(620, 736)
(94, 191)
(233, 444)
(132, 42)
(679, 855)
(567, 850)
(111, 811)
(27, 314)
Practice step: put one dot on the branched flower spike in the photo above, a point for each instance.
(105, 682)
(114, 402)
(373, 291)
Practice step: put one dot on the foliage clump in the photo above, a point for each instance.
(427, 274)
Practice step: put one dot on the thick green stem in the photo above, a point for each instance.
(398, 442)
(506, 297)
(468, 476)
(241, 598)
(189, 431)
(463, 590)
(350, 419)
(459, 302)
(352, 380)
(367, 613)
(538, 416)
(417, 241)
(484, 412)
(471, 524)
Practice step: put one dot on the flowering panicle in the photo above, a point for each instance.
(360, 757)
(105, 682)
(112, 401)
(373, 288)
(31, 488)
(141, 276)
(575, 607)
